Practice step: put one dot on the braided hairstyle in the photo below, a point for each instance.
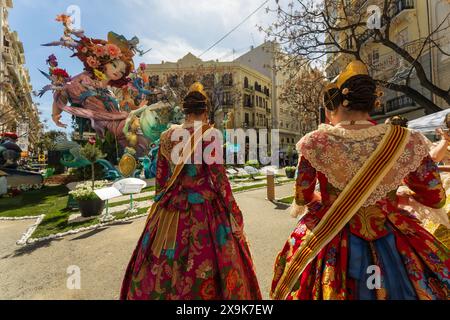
(195, 103)
(359, 93)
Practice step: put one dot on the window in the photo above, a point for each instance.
(5, 41)
(188, 80)
(375, 57)
(246, 83)
(227, 79)
(348, 42)
(173, 81)
(208, 80)
(247, 101)
(226, 99)
(402, 37)
(154, 81)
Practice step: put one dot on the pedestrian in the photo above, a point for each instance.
(353, 242)
(193, 246)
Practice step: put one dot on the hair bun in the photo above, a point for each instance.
(195, 102)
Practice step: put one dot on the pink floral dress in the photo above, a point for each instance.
(209, 262)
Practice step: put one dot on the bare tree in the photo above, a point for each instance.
(319, 32)
(301, 93)
(218, 81)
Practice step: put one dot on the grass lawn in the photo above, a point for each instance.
(287, 200)
(52, 202)
(57, 222)
(121, 203)
(35, 203)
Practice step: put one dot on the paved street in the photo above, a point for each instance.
(40, 272)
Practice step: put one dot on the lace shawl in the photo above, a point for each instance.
(339, 154)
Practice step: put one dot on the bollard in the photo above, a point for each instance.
(270, 186)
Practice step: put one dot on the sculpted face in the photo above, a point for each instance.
(115, 70)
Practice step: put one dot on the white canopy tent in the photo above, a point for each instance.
(430, 123)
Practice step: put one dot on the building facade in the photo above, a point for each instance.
(18, 113)
(412, 22)
(243, 94)
(286, 119)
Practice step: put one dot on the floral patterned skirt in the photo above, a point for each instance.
(208, 262)
(411, 263)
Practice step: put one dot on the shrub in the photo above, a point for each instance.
(253, 163)
(85, 191)
(290, 172)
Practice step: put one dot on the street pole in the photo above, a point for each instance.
(270, 186)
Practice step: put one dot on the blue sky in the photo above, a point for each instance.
(171, 28)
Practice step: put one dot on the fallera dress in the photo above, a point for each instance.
(208, 261)
(413, 263)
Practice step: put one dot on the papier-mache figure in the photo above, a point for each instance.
(88, 96)
(108, 64)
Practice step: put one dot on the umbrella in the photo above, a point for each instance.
(251, 170)
(266, 170)
(429, 123)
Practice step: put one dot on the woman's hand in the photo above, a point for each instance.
(444, 135)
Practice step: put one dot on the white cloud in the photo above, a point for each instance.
(175, 27)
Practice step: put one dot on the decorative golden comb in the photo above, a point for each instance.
(331, 85)
(198, 87)
(355, 68)
(329, 98)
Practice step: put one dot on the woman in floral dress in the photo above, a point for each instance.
(193, 246)
(382, 252)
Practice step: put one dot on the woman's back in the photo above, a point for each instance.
(338, 154)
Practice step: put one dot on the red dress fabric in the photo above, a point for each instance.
(209, 261)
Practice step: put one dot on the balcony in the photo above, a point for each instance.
(401, 7)
(7, 54)
(399, 103)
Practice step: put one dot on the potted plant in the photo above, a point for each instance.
(253, 163)
(89, 203)
(290, 172)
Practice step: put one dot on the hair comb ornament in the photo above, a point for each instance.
(329, 98)
(355, 68)
(198, 87)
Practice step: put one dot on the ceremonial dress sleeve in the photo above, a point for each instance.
(426, 185)
(305, 185)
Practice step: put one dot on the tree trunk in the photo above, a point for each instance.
(419, 98)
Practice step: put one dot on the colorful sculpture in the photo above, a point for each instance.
(88, 96)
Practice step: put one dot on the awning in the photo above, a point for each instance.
(429, 123)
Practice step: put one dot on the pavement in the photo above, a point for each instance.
(42, 271)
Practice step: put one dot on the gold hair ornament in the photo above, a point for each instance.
(355, 68)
